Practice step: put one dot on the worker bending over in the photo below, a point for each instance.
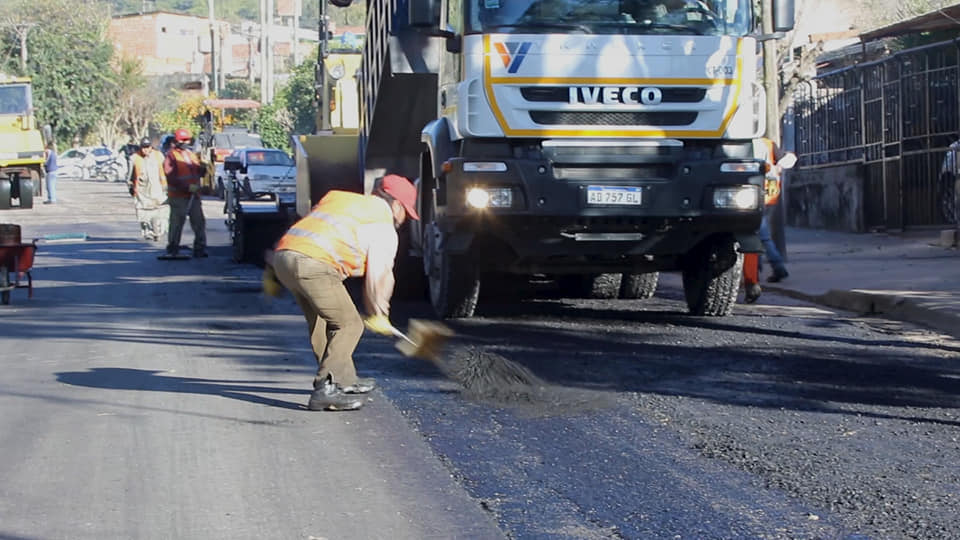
(345, 235)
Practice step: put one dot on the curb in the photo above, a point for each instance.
(901, 308)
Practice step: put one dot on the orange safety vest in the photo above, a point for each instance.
(184, 170)
(329, 232)
(771, 184)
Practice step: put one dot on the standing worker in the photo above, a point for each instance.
(50, 170)
(777, 161)
(184, 172)
(148, 186)
(345, 235)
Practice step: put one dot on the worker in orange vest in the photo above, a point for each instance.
(777, 161)
(184, 172)
(345, 235)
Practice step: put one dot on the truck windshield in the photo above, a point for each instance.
(14, 99)
(697, 17)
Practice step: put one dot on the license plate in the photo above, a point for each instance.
(629, 196)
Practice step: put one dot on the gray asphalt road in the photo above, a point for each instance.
(149, 400)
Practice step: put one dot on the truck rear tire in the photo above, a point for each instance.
(639, 286)
(5, 193)
(453, 280)
(711, 278)
(596, 286)
(26, 193)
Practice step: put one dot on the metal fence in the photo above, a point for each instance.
(898, 117)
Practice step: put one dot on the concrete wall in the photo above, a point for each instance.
(829, 198)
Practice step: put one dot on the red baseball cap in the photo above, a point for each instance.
(403, 191)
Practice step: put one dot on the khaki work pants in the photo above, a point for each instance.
(333, 321)
(153, 222)
(178, 215)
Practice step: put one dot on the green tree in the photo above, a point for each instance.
(298, 96)
(240, 89)
(293, 111)
(187, 115)
(69, 60)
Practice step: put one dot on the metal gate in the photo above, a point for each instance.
(898, 118)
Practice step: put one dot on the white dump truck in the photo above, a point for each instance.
(596, 141)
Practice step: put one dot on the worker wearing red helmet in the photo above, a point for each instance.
(184, 172)
(345, 235)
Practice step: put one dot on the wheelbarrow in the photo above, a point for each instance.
(16, 260)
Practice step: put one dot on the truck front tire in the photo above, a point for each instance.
(711, 278)
(453, 280)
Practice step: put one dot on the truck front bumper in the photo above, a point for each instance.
(554, 224)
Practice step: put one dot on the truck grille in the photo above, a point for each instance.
(608, 118)
(561, 94)
(632, 172)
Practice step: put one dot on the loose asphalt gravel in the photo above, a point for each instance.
(856, 419)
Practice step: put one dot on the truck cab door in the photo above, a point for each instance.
(451, 19)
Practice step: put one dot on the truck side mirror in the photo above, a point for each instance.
(784, 16)
(454, 43)
(424, 13)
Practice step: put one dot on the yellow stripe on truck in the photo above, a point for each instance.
(489, 80)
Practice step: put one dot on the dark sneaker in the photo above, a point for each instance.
(330, 397)
(753, 293)
(779, 275)
(362, 386)
(200, 254)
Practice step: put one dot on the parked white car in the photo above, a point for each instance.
(262, 172)
(91, 163)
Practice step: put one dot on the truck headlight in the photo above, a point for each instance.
(745, 197)
(490, 197)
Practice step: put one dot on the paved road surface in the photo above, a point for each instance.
(164, 400)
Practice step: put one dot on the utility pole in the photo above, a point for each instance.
(771, 83)
(297, 7)
(271, 61)
(214, 48)
(771, 74)
(323, 92)
(263, 52)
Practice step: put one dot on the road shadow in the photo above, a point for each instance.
(112, 289)
(110, 378)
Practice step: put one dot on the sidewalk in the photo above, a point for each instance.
(907, 276)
